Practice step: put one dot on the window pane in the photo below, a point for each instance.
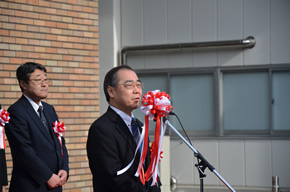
(246, 101)
(151, 83)
(281, 100)
(192, 98)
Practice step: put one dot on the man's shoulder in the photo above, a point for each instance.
(17, 104)
(46, 104)
(110, 117)
(102, 119)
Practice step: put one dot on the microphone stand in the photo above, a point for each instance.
(202, 162)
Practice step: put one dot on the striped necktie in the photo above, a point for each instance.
(42, 118)
(135, 130)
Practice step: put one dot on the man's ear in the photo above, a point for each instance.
(22, 84)
(110, 90)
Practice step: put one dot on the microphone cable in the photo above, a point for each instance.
(172, 113)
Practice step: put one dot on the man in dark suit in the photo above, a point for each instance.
(3, 165)
(111, 145)
(38, 162)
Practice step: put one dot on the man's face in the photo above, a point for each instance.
(37, 88)
(124, 96)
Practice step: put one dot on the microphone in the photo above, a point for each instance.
(170, 113)
(164, 118)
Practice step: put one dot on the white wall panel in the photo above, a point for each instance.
(155, 22)
(136, 61)
(204, 58)
(182, 162)
(230, 25)
(179, 31)
(204, 20)
(108, 50)
(155, 60)
(232, 162)
(132, 22)
(281, 164)
(155, 31)
(230, 21)
(170, 21)
(179, 21)
(257, 24)
(230, 58)
(132, 29)
(179, 59)
(280, 31)
(204, 24)
(258, 163)
(242, 163)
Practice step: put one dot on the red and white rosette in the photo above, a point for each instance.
(155, 106)
(59, 128)
(4, 118)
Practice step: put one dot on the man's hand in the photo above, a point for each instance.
(63, 177)
(54, 181)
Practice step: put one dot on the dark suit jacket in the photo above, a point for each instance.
(110, 148)
(36, 153)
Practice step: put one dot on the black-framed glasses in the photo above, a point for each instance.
(40, 81)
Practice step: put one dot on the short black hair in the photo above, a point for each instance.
(24, 71)
(111, 78)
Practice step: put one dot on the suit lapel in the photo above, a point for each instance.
(34, 116)
(122, 128)
(49, 117)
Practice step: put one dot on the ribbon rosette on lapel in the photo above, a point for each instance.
(4, 118)
(155, 105)
(59, 128)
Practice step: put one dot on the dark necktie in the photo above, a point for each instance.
(42, 118)
(135, 130)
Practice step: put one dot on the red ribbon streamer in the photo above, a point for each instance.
(156, 104)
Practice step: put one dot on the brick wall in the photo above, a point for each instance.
(63, 36)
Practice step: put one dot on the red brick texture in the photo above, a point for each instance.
(63, 36)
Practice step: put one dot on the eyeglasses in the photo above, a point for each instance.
(131, 85)
(40, 81)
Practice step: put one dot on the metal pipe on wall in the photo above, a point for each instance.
(243, 43)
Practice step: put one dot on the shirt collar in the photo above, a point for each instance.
(126, 118)
(34, 105)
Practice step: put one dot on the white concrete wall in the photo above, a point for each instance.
(242, 163)
(109, 43)
(246, 164)
(145, 22)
